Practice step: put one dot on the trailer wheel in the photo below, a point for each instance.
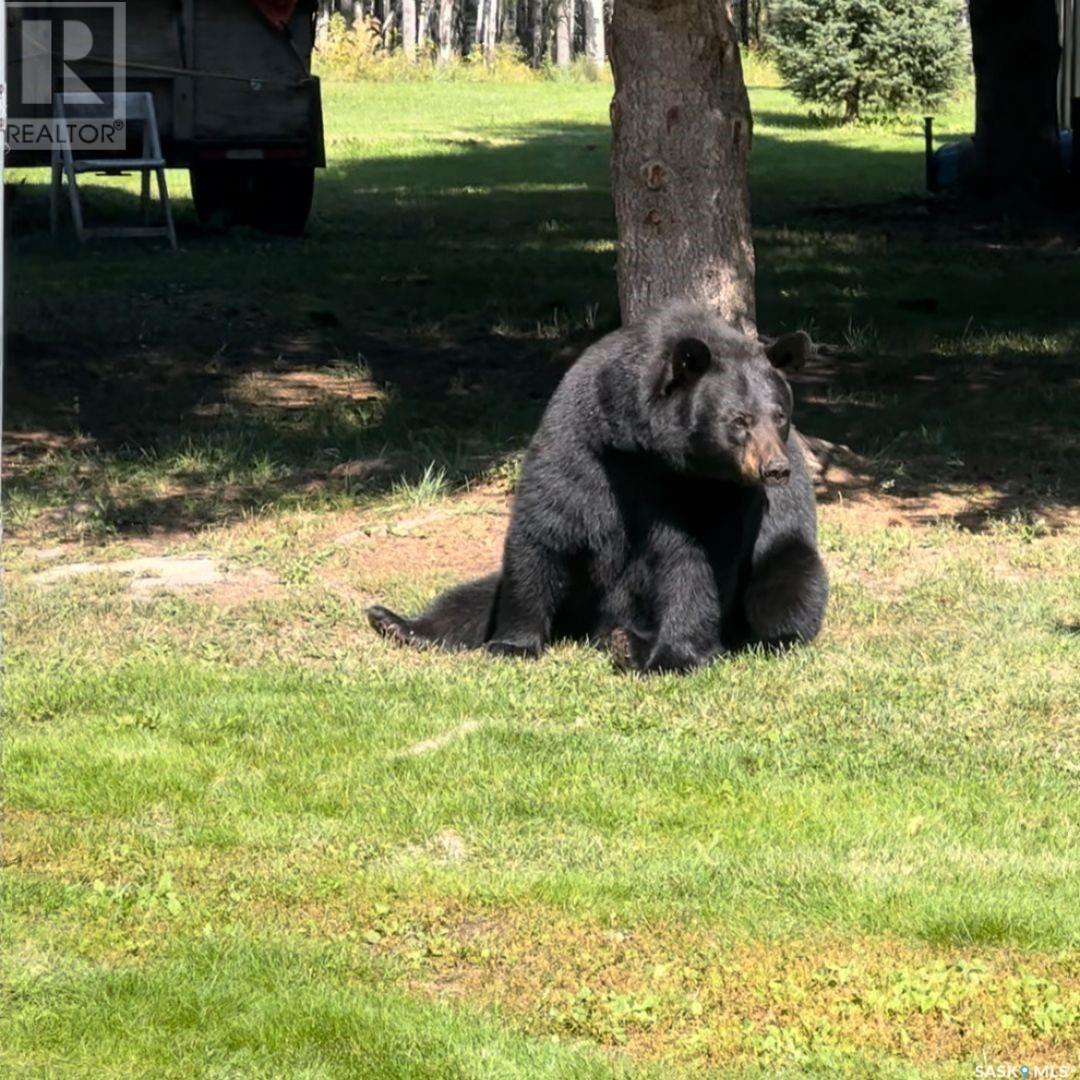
(281, 198)
(220, 193)
(273, 197)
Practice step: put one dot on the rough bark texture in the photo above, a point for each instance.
(1016, 57)
(681, 127)
(594, 32)
(536, 31)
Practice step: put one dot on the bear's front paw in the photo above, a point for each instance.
(674, 659)
(514, 649)
(629, 651)
(632, 652)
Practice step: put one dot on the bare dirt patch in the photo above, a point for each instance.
(151, 575)
(465, 540)
(290, 390)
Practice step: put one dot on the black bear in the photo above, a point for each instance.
(664, 508)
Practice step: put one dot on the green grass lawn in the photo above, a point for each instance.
(245, 837)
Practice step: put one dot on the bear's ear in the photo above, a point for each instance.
(790, 351)
(689, 359)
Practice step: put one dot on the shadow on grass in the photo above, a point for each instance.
(430, 312)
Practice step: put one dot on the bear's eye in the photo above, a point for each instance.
(742, 421)
(780, 417)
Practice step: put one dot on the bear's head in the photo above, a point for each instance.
(718, 404)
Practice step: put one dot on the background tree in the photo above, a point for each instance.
(563, 17)
(871, 55)
(1016, 56)
(446, 31)
(408, 28)
(681, 137)
(536, 31)
(594, 32)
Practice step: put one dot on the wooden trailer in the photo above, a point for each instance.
(236, 102)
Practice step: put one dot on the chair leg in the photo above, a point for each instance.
(163, 194)
(76, 206)
(145, 197)
(55, 192)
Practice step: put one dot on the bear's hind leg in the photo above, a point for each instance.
(395, 627)
(534, 586)
(458, 619)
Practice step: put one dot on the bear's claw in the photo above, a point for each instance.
(392, 627)
(622, 650)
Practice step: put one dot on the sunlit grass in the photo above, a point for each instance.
(246, 837)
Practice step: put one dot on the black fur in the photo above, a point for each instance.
(664, 507)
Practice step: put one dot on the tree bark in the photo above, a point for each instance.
(408, 28)
(446, 31)
(1016, 56)
(564, 31)
(681, 138)
(491, 27)
(536, 31)
(594, 33)
(508, 23)
(423, 24)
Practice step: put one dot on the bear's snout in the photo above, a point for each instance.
(764, 458)
(776, 471)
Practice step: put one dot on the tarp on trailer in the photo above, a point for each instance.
(278, 13)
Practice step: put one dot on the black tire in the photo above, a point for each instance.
(281, 198)
(273, 197)
(220, 193)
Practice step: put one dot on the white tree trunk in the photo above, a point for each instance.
(594, 33)
(446, 31)
(423, 20)
(564, 31)
(408, 28)
(491, 27)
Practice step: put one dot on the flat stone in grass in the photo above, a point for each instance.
(163, 573)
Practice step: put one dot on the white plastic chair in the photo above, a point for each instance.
(138, 108)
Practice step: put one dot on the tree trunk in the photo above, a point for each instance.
(594, 33)
(536, 31)
(408, 28)
(491, 27)
(851, 105)
(446, 31)
(681, 137)
(423, 21)
(1016, 57)
(508, 23)
(564, 30)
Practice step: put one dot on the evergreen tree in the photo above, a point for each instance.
(870, 55)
